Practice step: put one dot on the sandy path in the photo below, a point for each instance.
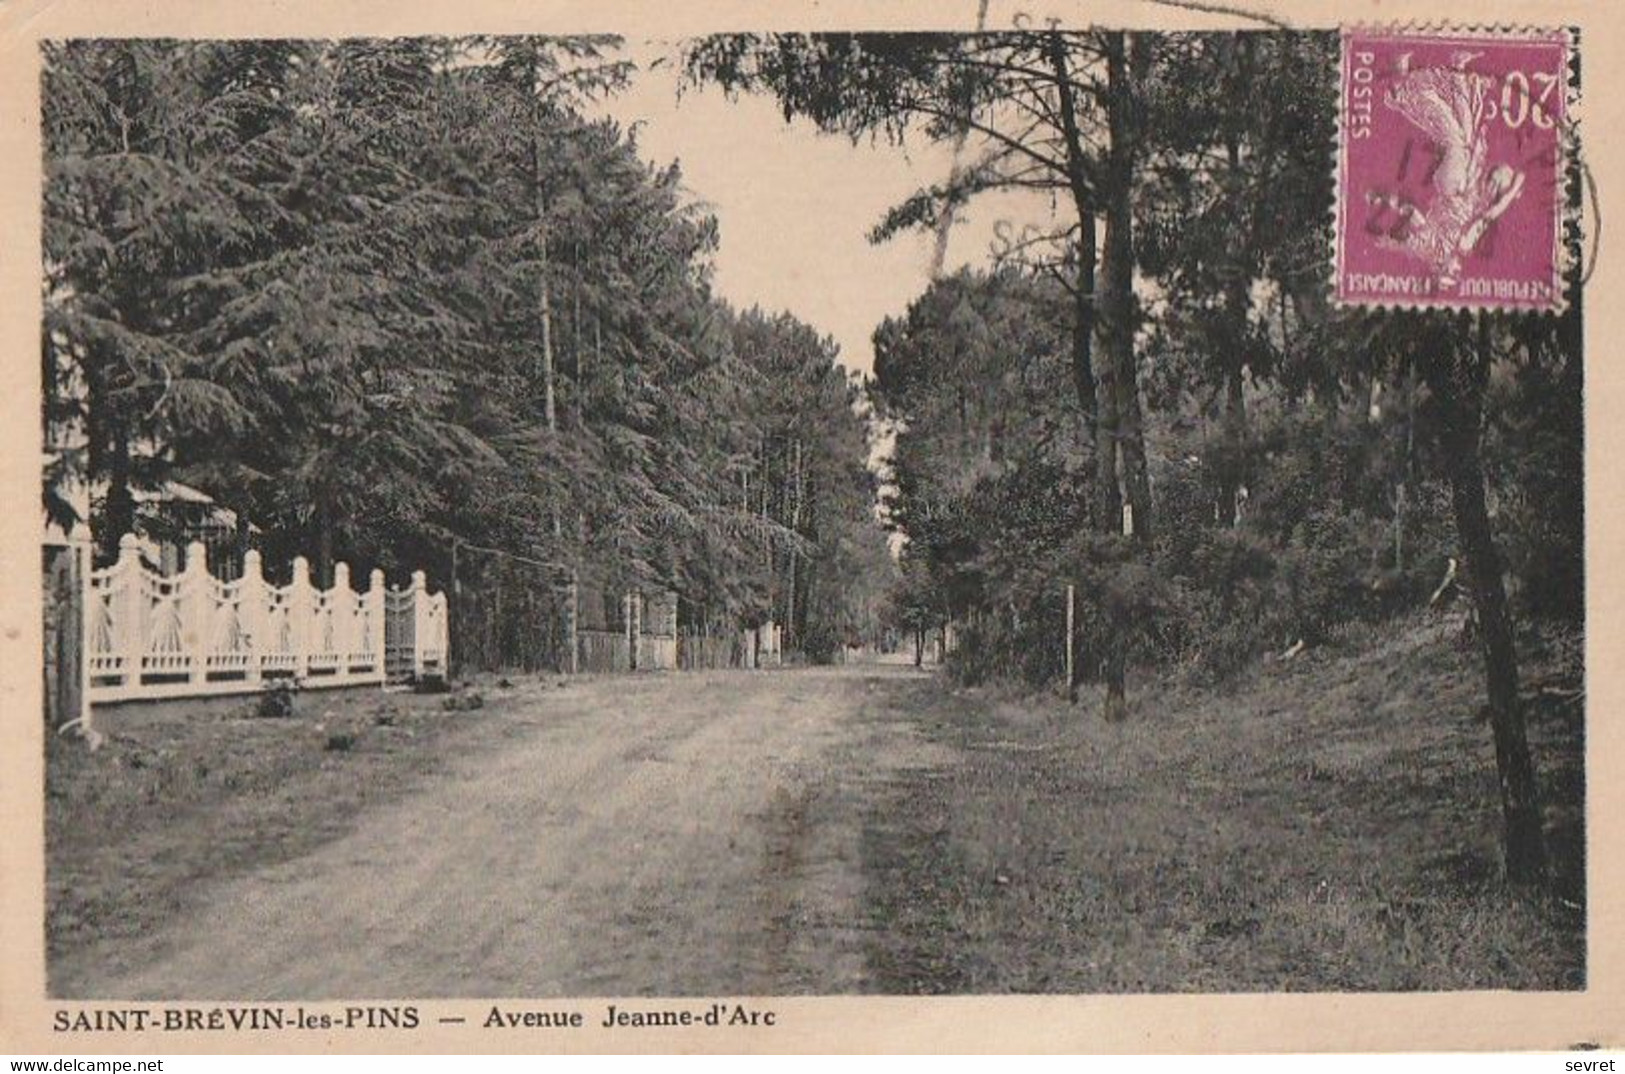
(654, 835)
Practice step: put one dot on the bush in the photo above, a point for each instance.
(466, 702)
(1345, 524)
(819, 644)
(1024, 646)
(276, 700)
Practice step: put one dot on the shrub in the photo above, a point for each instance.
(275, 701)
(819, 643)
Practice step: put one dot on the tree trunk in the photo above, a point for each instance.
(549, 412)
(1096, 375)
(549, 402)
(768, 557)
(1234, 472)
(549, 407)
(1402, 491)
(1118, 432)
(586, 373)
(1458, 384)
(324, 541)
(792, 634)
(1131, 437)
(1236, 304)
(575, 328)
(1109, 514)
(454, 641)
(1238, 301)
(1083, 288)
(1127, 66)
(118, 510)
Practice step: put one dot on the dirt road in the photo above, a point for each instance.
(651, 835)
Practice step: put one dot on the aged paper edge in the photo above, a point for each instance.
(1499, 1021)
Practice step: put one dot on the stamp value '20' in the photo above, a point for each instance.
(1451, 169)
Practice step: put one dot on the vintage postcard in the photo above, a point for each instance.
(694, 527)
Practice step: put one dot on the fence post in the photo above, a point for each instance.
(251, 613)
(394, 624)
(443, 634)
(341, 613)
(194, 599)
(572, 657)
(668, 630)
(420, 608)
(630, 627)
(301, 616)
(128, 616)
(375, 623)
(637, 630)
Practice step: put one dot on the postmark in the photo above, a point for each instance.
(1451, 164)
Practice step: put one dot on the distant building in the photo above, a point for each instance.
(167, 519)
(172, 516)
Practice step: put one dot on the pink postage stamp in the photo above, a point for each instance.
(1450, 169)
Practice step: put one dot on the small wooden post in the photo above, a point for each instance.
(1071, 641)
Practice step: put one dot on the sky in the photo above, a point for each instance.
(794, 205)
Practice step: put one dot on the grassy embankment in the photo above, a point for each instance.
(1328, 823)
(188, 792)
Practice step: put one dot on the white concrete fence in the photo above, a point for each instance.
(191, 634)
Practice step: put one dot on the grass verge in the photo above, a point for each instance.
(187, 792)
(1325, 824)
